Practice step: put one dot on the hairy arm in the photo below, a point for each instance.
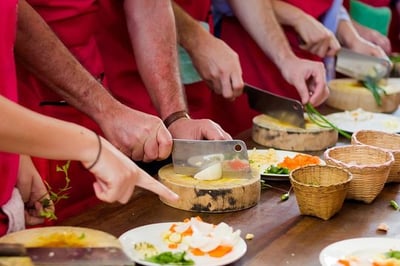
(40, 51)
(152, 31)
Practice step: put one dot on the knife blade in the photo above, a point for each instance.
(282, 108)
(191, 156)
(360, 66)
(63, 256)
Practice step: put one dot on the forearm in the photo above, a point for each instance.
(287, 14)
(190, 32)
(25, 132)
(258, 18)
(347, 34)
(153, 36)
(39, 50)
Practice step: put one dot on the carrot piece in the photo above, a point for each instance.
(172, 228)
(187, 232)
(220, 251)
(298, 160)
(197, 252)
(344, 262)
(173, 245)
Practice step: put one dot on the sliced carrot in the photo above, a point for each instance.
(220, 251)
(173, 245)
(197, 252)
(187, 232)
(344, 262)
(298, 160)
(172, 228)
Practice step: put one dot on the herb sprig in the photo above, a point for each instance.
(317, 118)
(55, 197)
(372, 84)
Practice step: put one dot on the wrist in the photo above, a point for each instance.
(169, 120)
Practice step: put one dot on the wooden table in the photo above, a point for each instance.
(281, 235)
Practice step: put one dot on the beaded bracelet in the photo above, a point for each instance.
(98, 154)
(175, 116)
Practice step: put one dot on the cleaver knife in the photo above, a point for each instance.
(63, 256)
(282, 108)
(191, 156)
(360, 66)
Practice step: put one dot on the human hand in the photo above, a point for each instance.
(374, 37)
(33, 191)
(116, 177)
(219, 66)
(309, 79)
(316, 38)
(140, 136)
(363, 46)
(197, 129)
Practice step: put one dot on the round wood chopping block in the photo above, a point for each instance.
(214, 196)
(349, 94)
(272, 133)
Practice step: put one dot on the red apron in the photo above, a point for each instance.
(8, 89)
(74, 22)
(122, 75)
(258, 69)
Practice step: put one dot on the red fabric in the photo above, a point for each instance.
(258, 69)
(8, 85)
(74, 22)
(120, 68)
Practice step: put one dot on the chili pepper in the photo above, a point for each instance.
(395, 205)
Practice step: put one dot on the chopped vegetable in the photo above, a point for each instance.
(373, 86)
(168, 257)
(317, 118)
(393, 254)
(395, 205)
(249, 236)
(273, 169)
(212, 172)
(298, 160)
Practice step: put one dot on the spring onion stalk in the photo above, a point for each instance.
(317, 118)
(372, 85)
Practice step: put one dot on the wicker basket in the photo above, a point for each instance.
(369, 166)
(320, 189)
(387, 141)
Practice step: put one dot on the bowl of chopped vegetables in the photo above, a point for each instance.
(320, 189)
(369, 166)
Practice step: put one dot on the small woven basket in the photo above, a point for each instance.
(369, 166)
(320, 189)
(387, 141)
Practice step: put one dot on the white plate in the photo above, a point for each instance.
(280, 154)
(365, 249)
(352, 121)
(152, 233)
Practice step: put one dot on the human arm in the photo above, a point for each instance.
(316, 37)
(39, 50)
(374, 37)
(258, 18)
(25, 132)
(215, 61)
(152, 31)
(350, 38)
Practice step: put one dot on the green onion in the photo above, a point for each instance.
(372, 85)
(317, 118)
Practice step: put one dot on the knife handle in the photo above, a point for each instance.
(12, 250)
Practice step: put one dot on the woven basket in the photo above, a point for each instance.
(387, 141)
(369, 166)
(320, 189)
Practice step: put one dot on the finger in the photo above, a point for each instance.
(150, 149)
(237, 84)
(164, 140)
(149, 183)
(137, 152)
(227, 91)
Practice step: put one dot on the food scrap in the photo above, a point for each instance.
(249, 236)
(395, 205)
(389, 258)
(383, 227)
(145, 249)
(201, 238)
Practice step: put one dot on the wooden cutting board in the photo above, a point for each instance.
(215, 196)
(349, 94)
(62, 236)
(272, 133)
